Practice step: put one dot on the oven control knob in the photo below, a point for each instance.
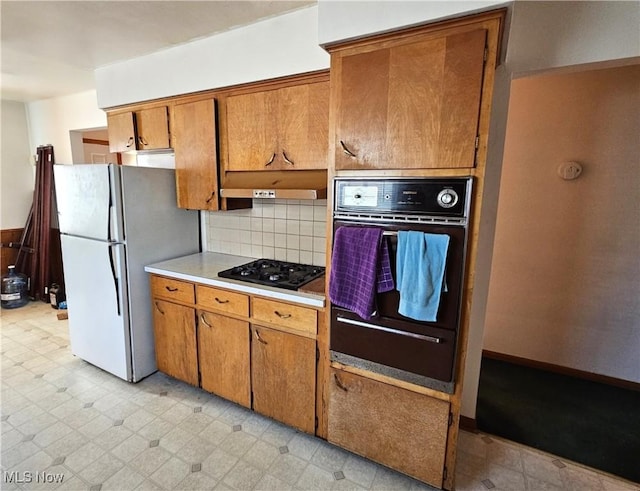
(447, 198)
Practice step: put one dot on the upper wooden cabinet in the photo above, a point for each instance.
(194, 143)
(146, 129)
(409, 103)
(278, 129)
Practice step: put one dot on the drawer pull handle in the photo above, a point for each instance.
(159, 309)
(221, 301)
(346, 150)
(204, 319)
(213, 193)
(273, 157)
(170, 289)
(282, 316)
(130, 142)
(339, 383)
(259, 338)
(143, 141)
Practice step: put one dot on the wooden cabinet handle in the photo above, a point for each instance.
(130, 141)
(339, 383)
(170, 289)
(221, 301)
(286, 159)
(204, 320)
(273, 157)
(282, 316)
(346, 150)
(159, 309)
(143, 141)
(213, 193)
(259, 338)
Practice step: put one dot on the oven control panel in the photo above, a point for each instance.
(424, 196)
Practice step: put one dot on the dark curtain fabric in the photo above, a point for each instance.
(40, 256)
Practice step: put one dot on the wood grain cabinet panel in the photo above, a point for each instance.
(279, 129)
(289, 316)
(411, 104)
(195, 149)
(145, 129)
(283, 370)
(396, 427)
(122, 133)
(170, 289)
(223, 357)
(222, 301)
(153, 128)
(175, 340)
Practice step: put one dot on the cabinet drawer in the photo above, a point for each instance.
(222, 300)
(181, 291)
(281, 314)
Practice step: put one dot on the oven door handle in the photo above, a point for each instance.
(431, 339)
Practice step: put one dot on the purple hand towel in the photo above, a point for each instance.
(356, 269)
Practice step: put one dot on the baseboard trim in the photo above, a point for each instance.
(572, 372)
(468, 424)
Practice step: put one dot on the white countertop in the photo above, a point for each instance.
(204, 267)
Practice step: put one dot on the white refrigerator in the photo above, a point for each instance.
(113, 221)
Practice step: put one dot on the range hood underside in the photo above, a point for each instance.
(291, 184)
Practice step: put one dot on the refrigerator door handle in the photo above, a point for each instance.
(112, 263)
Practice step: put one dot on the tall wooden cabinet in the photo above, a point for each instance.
(409, 103)
(194, 143)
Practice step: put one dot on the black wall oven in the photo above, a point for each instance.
(423, 353)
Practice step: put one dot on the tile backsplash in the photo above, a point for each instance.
(287, 230)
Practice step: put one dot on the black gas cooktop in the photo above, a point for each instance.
(290, 276)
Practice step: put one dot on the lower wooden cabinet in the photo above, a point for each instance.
(396, 427)
(174, 328)
(223, 357)
(283, 377)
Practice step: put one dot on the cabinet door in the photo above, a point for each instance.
(411, 105)
(174, 327)
(283, 377)
(396, 427)
(153, 128)
(303, 126)
(194, 144)
(252, 138)
(121, 129)
(223, 356)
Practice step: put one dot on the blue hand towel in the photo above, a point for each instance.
(420, 266)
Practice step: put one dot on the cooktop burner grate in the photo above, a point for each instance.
(290, 276)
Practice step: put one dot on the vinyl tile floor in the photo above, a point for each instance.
(68, 425)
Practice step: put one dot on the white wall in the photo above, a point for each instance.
(547, 35)
(51, 120)
(565, 284)
(340, 20)
(276, 47)
(16, 167)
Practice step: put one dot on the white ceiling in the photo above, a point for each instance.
(50, 48)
